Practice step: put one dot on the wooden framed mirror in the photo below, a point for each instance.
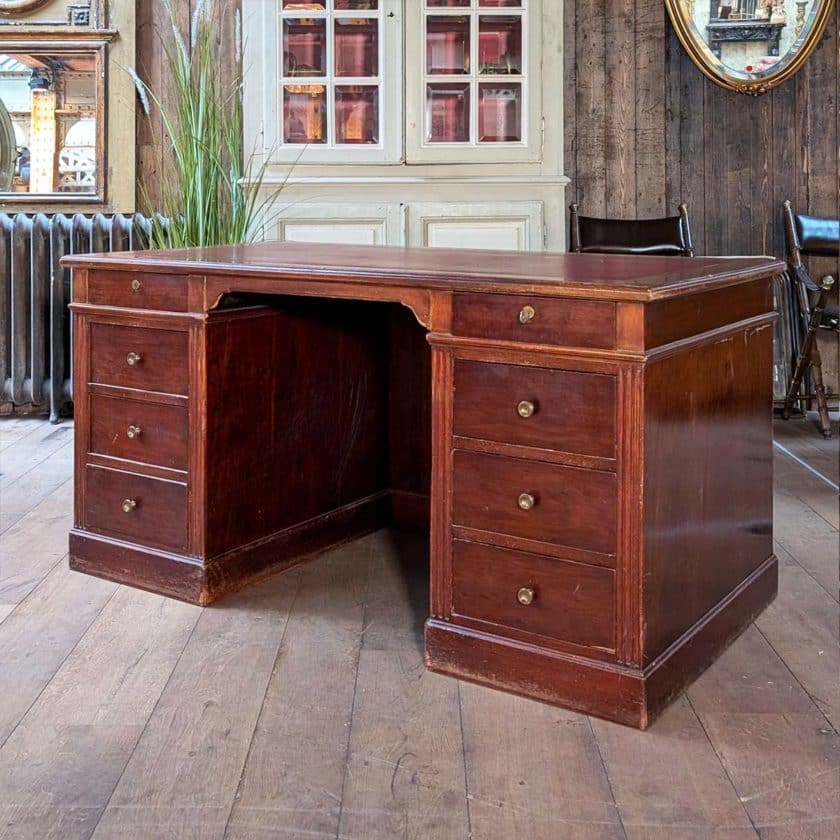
(749, 46)
(55, 98)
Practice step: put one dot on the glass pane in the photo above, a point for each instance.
(499, 113)
(303, 6)
(461, 4)
(356, 5)
(500, 44)
(305, 47)
(49, 135)
(448, 113)
(356, 114)
(304, 114)
(357, 47)
(448, 45)
(498, 4)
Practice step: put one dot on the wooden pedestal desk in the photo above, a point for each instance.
(587, 437)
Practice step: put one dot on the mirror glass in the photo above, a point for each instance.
(748, 42)
(52, 102)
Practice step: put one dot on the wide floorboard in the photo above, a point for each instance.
(301, 709)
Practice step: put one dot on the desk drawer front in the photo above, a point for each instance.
(139, 431)
(567, 601)
(532, 500)
(139, 357)
(148, 511)
(552, 409)
(137, 290)
(573, 323)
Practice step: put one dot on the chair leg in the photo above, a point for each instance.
(819, 390)
(810, 356)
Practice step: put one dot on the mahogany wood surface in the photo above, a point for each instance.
(567, 322)
(159, 432)
(159, 518)
(572, 412)
(291, 402)
(571, 601)
(142, 290)
(572, 506)
(161, 366)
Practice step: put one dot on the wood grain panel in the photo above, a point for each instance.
(572, 601)
(162, 366)
(162, 439)
(574, 507)
(158, 520)
(573, 412)
(554, 322)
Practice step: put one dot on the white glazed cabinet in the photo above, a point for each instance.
(409, 122)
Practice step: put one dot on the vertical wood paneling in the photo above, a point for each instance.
(643, 121)
(620, 125)
(590, 104)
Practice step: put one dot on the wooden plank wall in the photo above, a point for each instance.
(646, 130)
(154, 38)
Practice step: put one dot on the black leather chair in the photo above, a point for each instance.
(666, 237)
(810, 236)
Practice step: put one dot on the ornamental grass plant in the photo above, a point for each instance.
(210, 190)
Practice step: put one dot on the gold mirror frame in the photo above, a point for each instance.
(752, 84)
(16, 7)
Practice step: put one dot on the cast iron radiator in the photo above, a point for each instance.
(36, 371)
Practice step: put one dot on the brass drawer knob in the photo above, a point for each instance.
(136, 285)
(525, 596)
(129, 505)
(526, 314)
(526, 501)
(133, 432)
(133, 359)
(526, 409)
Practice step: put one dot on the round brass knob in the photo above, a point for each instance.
(527, 314)
(129, 505)
(526, 409)
(133, 432)
(525, 596)
(133, 358)
(526, 501)
(136, 285)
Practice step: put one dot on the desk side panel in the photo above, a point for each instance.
(296, 417)
(708, 486)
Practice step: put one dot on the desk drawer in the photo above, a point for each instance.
(137, 290)
(139, 357)
(572, 323)
(141, 431)
(565, 506)
(552, 409)
(567, 601)
(148, 511)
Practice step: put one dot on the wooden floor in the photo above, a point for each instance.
(301, 709)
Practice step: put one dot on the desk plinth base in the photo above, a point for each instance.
(197, 582)
(631, 696)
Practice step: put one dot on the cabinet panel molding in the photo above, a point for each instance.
(510, 226)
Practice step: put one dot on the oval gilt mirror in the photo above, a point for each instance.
(749, 46)
(10, 7)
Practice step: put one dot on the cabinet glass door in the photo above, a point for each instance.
(331, 85)
(475, 72)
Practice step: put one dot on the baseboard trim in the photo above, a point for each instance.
(619, 693)
(197, 582)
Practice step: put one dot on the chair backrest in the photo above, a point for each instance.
(810, 236)
(666, 237)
